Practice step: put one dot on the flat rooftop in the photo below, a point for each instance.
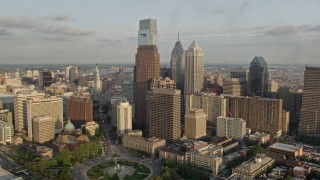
(285, 147)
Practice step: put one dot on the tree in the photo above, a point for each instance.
(64, 158)
(169, 174)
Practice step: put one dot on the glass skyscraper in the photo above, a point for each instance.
(258, 77)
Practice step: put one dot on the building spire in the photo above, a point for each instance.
(178, 35)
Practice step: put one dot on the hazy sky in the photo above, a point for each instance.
(103, 31)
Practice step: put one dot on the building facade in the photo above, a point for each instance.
(124, 117)
(80, 109)
(6, 132)
(43, 129)
(258, 77)
(195, 124)
(163, 109)
(231, 127)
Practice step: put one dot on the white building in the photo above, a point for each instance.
(124, 117)
(6, 132)
(194, 69)
(231, 127)
(148, 32)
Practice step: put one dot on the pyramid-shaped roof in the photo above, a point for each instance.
(194, 46)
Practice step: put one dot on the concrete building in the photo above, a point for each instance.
(124, 117)
(20, 108)
(45, 152)
(208, 157)
(115, 101)
(235, 86)
(163, 109)
(43, 129)
(239, 73)
(6, 116)
(258, 77)
(253, 166)
(194, 69)
(91, 127)
(213, 105)
(6, 132)
(134, 140)
(148, 32)
(195, 124)
(273, 86)
(310, 111)
(48, 106)
(260, 137)
(97, 81)
(287, 150)
(80, 109)
(47, 78)
(261, 114)
(231, 127)
(127, 91)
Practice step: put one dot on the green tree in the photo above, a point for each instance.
(64, 158)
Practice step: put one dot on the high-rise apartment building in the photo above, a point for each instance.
(47, 78)
(235, 86)
(147, 67)
(148, 32)
(258, 77)
(310, 110)
(194, 69)
(195, 124)
(115, 101)
(43, 128)
(163, 109)
(20, 108)
(6, 116)
(80, 110)
(231, 127)
(47, 106)
(97, 81)
(6, 132)
(74, 74)
(67, 73)
(124, 117)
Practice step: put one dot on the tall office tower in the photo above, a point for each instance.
(310, 110)
(261, 114)
(147, 67)
(194, 70)
(164, 72)
(6, 132)
(20, 108)
(43, 129)
(235, 86)
(47, 106)
(47, 78)
(163, 109)
(258, 77)
(127, 91)
(97, 81)
(67, 73)
(80, 109)
(17, 74)
(74, 74)
(231, 127)
(239, 73)
(213, 105)
(195, 125)
(124, 117)
(148, 32)
(177, 65)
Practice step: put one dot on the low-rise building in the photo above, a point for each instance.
(208, 157)
(227, 144)
(230, 157)
(45, 152)
(91, 127)
(286, 150)
(301, 171)
(134, 140)
(260, 137)
(253, 166)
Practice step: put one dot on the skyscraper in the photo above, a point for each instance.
(195, 123)
(258, 77)
(47, 78)
(97, 81)
(177, 65)
(148, 32)
(80, 109)
(194, 70)
(124, 117)
(147, 67)
(310, 110)
(163, 110)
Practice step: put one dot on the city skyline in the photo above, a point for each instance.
(51, 32)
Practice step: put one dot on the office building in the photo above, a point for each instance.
(147, 67)
(67, 73)
(97, 81)
(287, 150)
(239, 73)
(124, 117)
(213, 105)
(20, 107)
(134, 140)
(74, 74)
(310, 111)
(253, 166)
(47, 106)
(258, 77)
(164, 72)
(195, 124)
(43, 129)
(163, 109)
(235, 86)
(208, 157)
(47, 78)
(260, 137)
(231, 127)
(273, 86)
(177, 65)
(194, 69)
(115, 101)
(148, 32)
(6, 132)
(6, 116)
(127, 91)
(80, 109)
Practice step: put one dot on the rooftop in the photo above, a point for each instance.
(285, 147)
